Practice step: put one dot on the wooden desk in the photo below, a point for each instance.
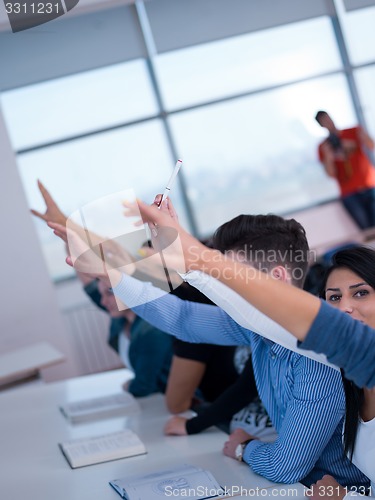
(33, 466)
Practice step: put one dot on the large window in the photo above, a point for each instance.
(365, 78)
(238, 106)
(78, 104)
(257, 154)
(81, 171)
(248, 62)
(360, 35)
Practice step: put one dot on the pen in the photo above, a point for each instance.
(171, 181)
(154, 230)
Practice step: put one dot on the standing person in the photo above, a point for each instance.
(343, 155)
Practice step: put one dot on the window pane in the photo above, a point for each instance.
(76, 104)
(365, 79)
(259, 154)
(248, 62)
(85, 170)
(360, 35)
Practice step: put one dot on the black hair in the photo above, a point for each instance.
(266, 241)
(361, 261)
(319, 115)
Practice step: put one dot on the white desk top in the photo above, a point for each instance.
(33, 466)
(21, 363)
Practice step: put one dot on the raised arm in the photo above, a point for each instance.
(291, 307)
(347, 343)
(53, 214)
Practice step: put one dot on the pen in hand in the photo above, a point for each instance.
(171, 181)
(153, 229)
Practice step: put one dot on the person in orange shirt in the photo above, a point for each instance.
(344, 158)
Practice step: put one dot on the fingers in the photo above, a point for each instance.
(171, 209)
(226, 448)
(59, 230)
(165, 206)
(150, 213)
(56, 226)
(167, 428)
(176, 426)
(45, 193)
(38, 214)
(158, 199)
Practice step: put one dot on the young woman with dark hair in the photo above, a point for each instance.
(349, 286)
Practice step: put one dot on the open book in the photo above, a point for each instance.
(183, 481)
(103, 407)
(98, 449)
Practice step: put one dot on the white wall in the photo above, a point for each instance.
(29, 310)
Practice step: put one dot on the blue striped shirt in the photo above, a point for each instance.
(304, 398)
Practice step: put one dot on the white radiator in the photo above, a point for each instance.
(87, 329)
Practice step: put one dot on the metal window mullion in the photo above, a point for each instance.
(348, 69)
(151, 53)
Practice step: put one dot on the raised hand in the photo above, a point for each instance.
(80, 255)
(176, 426)
(166, 206)
(53, 212)
(181, 250)
(100, 261)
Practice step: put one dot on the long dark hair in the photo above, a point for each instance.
(361, 261)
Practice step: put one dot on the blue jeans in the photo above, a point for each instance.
(361, 206)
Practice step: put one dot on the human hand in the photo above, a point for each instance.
(166, 206)
(237, 437)
(80, 255)
(328, 151)
(98, 261)
(327, 487)
(53, 212)
(176, 426)
(181, 250)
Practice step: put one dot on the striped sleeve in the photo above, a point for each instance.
(188, 321)
(311, 418)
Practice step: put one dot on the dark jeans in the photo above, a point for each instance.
(361, 206)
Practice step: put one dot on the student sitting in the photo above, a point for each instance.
(199, 373)
(303, 398)
(239, 405)
(350, 287)
(351, 344)
(144, 349)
